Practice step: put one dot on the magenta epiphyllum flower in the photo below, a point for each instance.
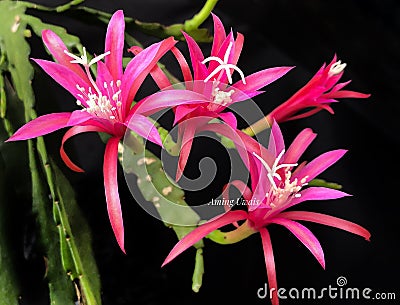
(105, 102)
(277, 186)
(322, 90)
(212, 78)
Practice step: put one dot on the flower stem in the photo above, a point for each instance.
(231, 237)
(258, 126)
(200, 17)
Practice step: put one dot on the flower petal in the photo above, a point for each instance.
(181, 111)
(41, 126)
(65, 77)
(219, 35)
(139, 67)
(202, 231)
(346, 94)
(115, 44)
(276, 143)
(188, 131)
(166, 99)
(200, 71)
(261, 79)
(156, 73)
(328, 221)
(70, 133)
(111, 190)
(299, 145)
(270, 265)
(186, 73)
(229, 118)
(305, 236)
(144, 128)
(312, 193)
(57, 47)
(319, 164)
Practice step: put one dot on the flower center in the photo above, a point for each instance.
(105, 103)
(103, 106)
(224, 66)
(337, 68)
(283, 189)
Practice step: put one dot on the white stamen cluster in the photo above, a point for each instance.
(106, 106)
(221, 97)
(103, 106)
(337, 68)
(281, 192)
(224, 66)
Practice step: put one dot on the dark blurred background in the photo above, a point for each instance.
(364, 34)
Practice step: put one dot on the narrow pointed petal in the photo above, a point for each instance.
(219, 35)
(319, 164)
(57, 47)
(276, 143)
(64, 76)
(156, 73)
(111, 190)
(202, 231)
(144, 128)
(200, 71)
(139, 67)
(299, 145)
(189, 130)
(115, 44)
(40, 126)
(261, 79)
(328, 220)
(270, 264)
(238, 48)
(186, 73)
(83, 118)
(347, 94)
(69, 134)
(166, 99)
(307, 238)
(313, 193)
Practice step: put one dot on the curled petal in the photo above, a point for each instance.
(73, 132)
(202, 231)
(307, 238)
(189, 130)
(41, 126)
(111, 190)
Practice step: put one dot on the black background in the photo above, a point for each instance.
(365, 34)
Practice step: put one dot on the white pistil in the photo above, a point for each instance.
(272, 171)
(83, 59)
(337, 68)
(224, 65)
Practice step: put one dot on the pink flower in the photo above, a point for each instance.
(316, 95)
(105, 102)
(214, 83)
(275, 188)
